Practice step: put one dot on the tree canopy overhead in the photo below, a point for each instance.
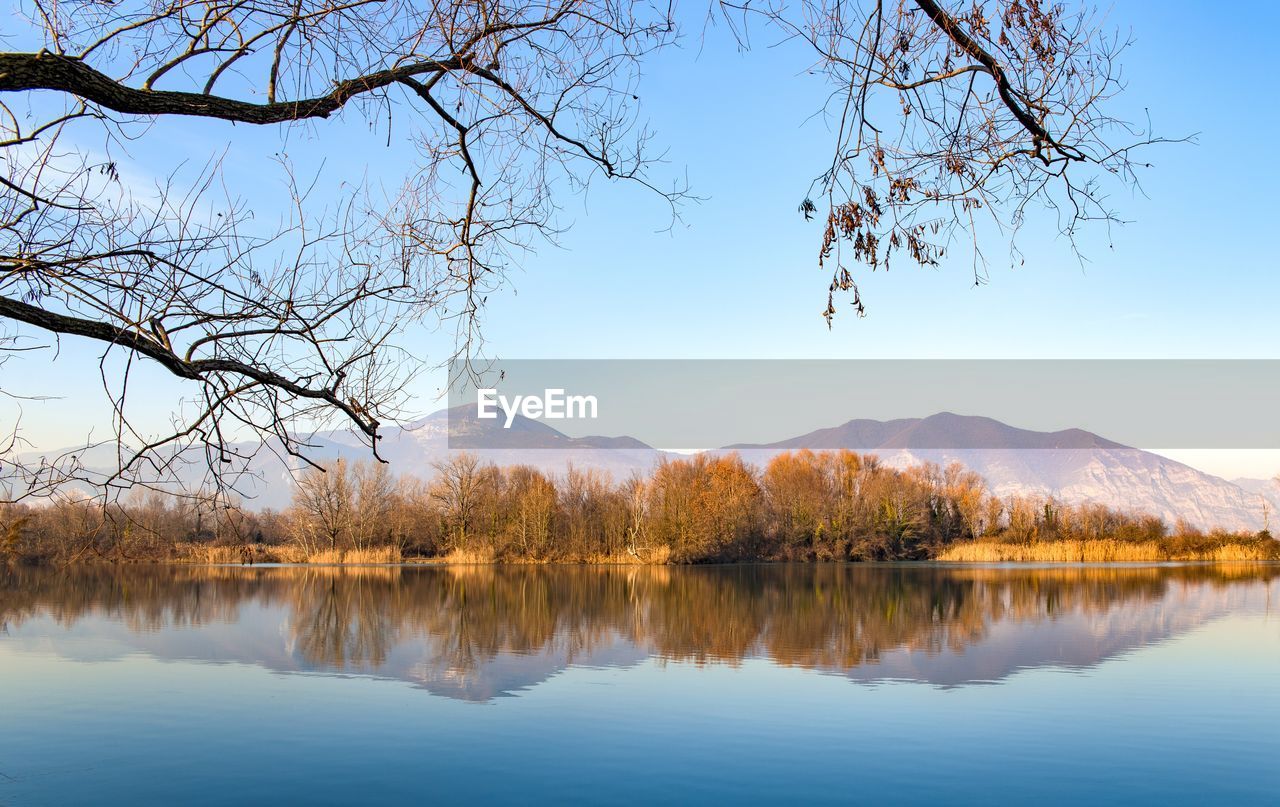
(940, 113)
(946, 113)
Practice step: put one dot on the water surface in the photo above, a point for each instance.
(878, 683)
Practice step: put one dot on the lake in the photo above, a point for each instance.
(821, 683)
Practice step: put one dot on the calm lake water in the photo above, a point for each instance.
(873, 684)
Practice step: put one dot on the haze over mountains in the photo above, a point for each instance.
(941, 431)
(1073, 466)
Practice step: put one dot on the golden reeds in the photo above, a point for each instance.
(370, 556)
(284, 553)
(1102, 551)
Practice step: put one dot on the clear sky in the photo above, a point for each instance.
(1192, 275)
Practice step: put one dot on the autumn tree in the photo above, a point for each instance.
(461, 489)
(966, 494)
(704, 508)
(13, 519)
(414, 523)
(902, 526)
(531, 499)
(373, 500)
(323, 508)
(674, 490)
(593, 512)
(729, 509)
(798, 494)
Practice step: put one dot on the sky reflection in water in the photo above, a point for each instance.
(750, 683)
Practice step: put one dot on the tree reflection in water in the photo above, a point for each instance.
(477, 631)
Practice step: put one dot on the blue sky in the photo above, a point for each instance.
(1192, 275)
(1189, 277)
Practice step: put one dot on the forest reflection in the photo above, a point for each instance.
(476, 632)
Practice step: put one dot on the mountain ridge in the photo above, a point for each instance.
(941, 430)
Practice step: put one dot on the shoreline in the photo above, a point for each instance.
(1064, 553)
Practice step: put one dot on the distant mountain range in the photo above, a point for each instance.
(1072, 465)
(941, 431)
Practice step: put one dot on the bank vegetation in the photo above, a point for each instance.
(801, 506)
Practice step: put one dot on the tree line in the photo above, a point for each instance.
(799, 506)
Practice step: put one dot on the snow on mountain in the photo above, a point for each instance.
(1073, 466)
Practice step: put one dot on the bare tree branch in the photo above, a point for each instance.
(50, 71)
(279, 329)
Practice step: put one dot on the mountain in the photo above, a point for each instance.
(267, 479)
(1073, 466)
(460, 429)
(943, 430)
(1267, 490)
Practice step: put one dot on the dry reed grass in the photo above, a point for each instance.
(199, 553)
(284, 553)
(371, 556)
(1241, 552)
(655, 556)
(464, 557)
(236, 554)
(1100, 552)
(289, 553)
(652, 556)
(1213, 548)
